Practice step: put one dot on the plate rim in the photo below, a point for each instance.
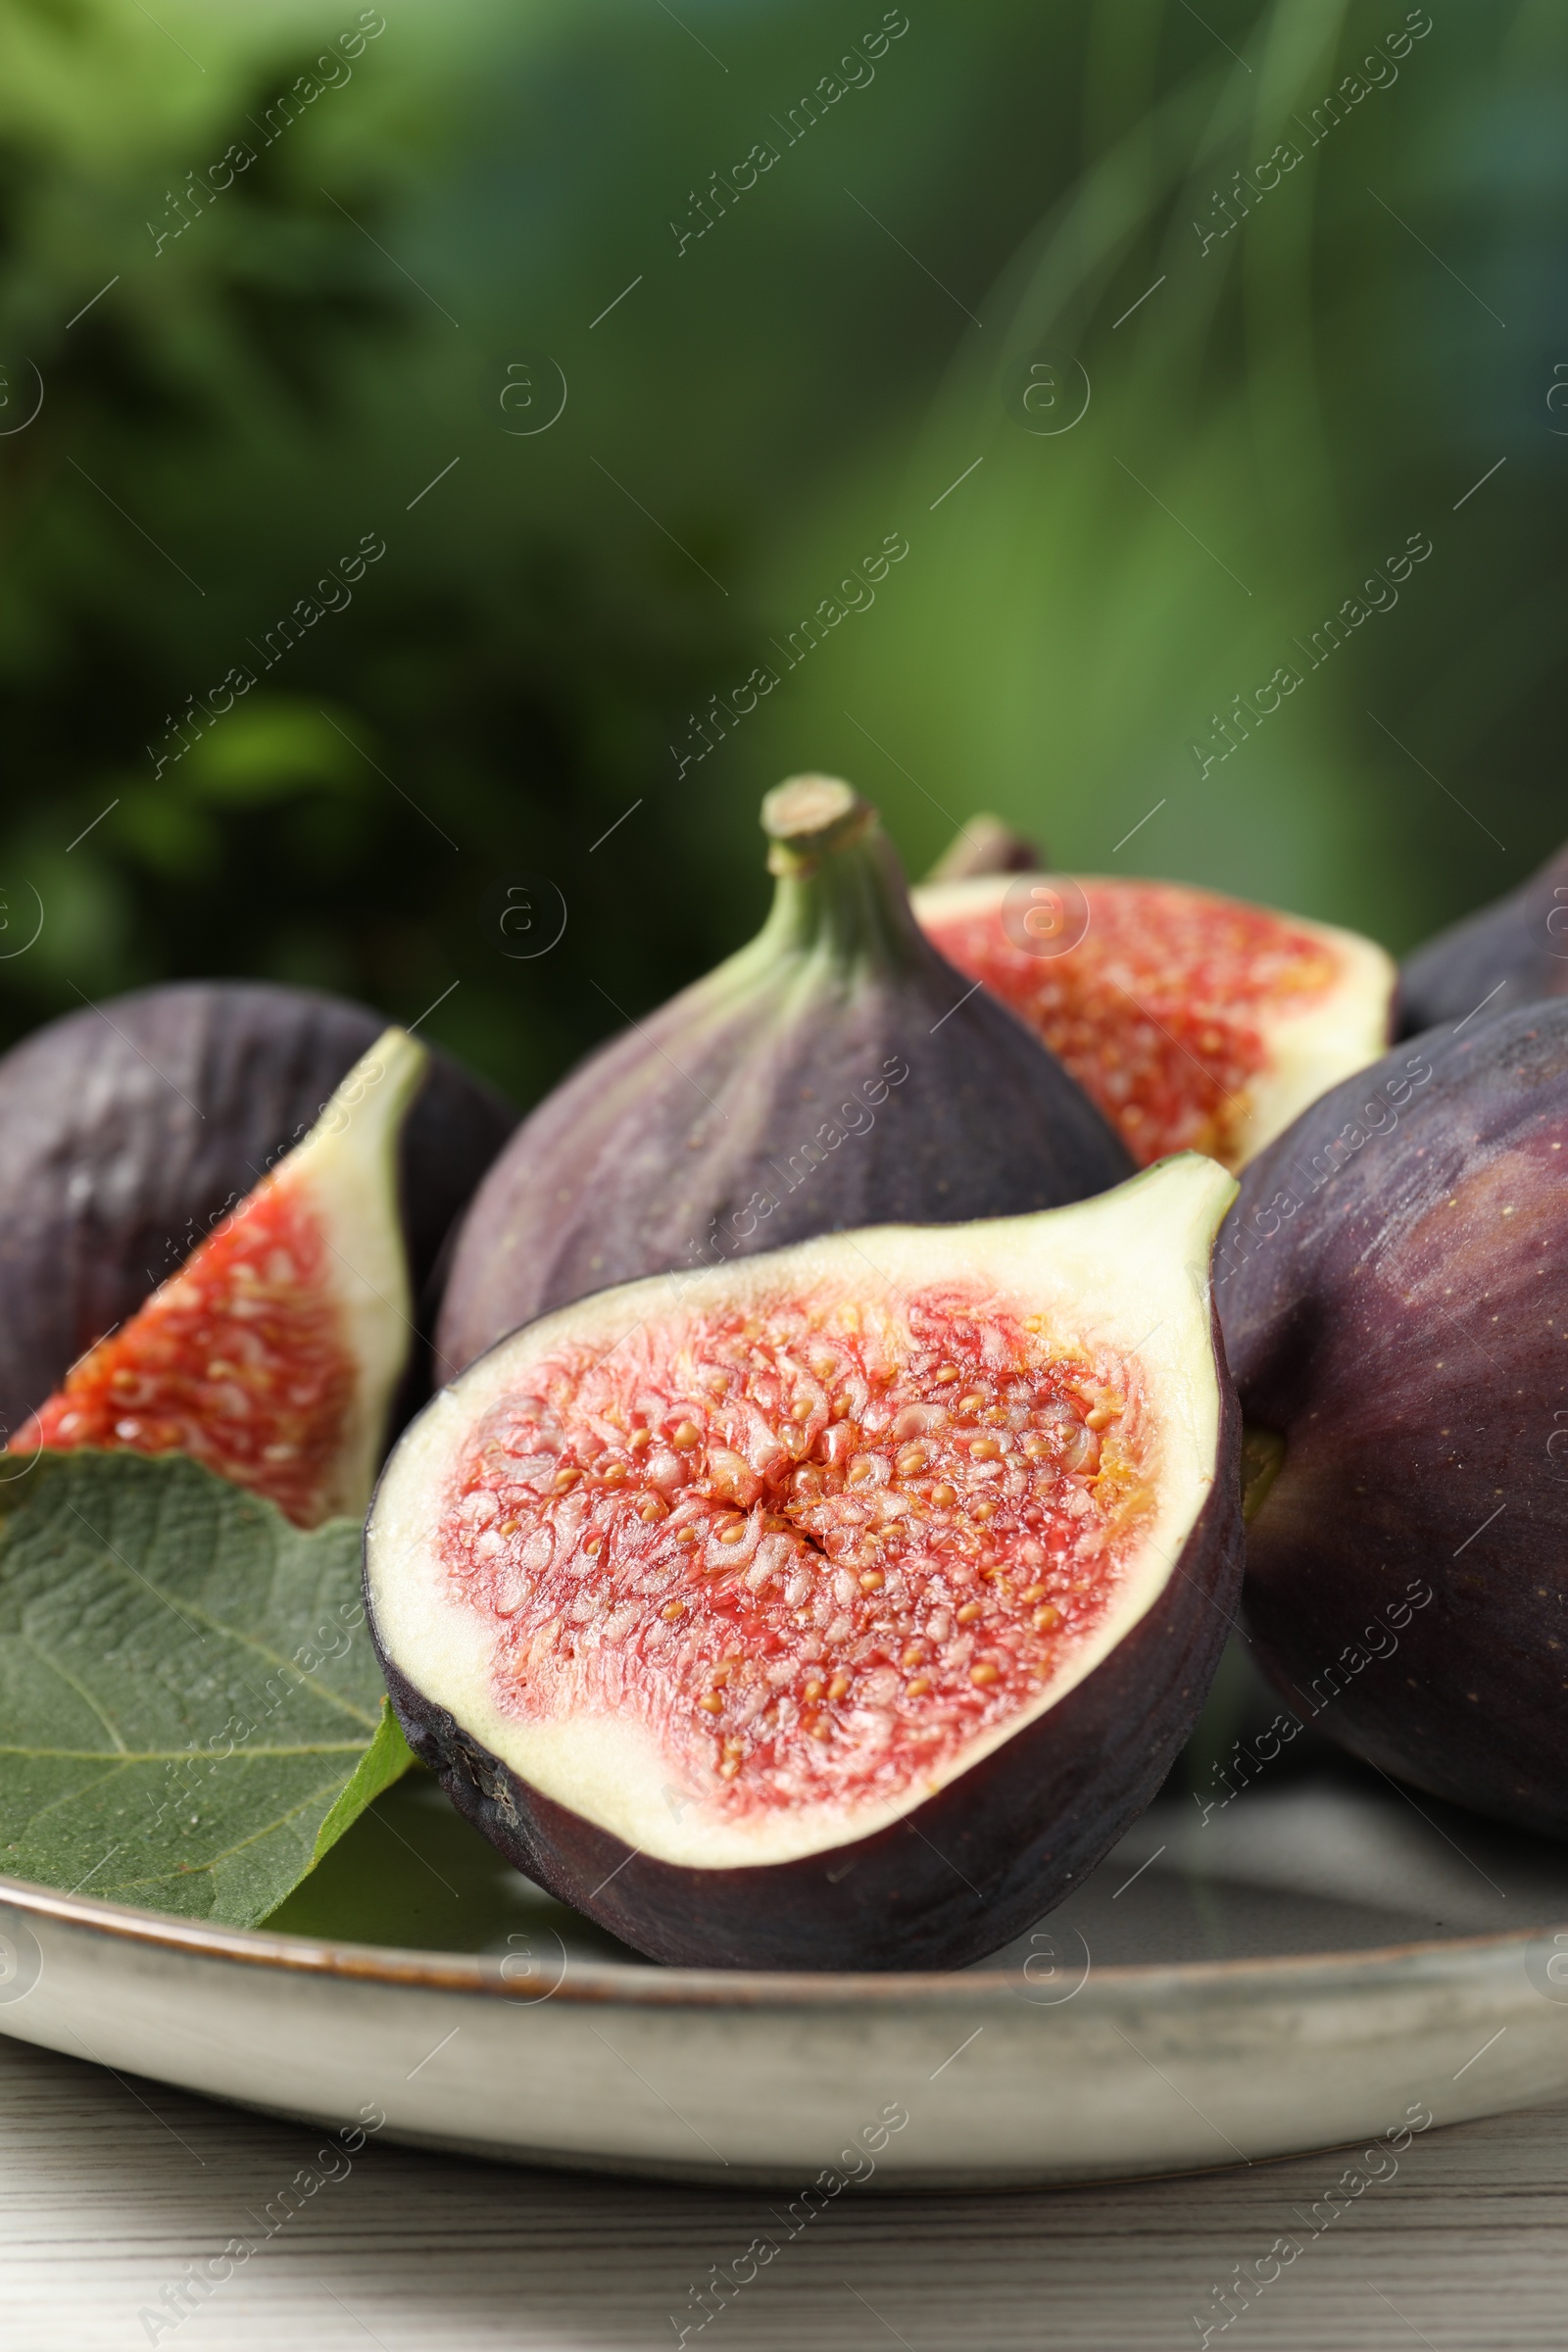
(649, 1986)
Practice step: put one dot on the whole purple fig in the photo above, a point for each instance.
(837, 1072)
(1392, 1289)
(1511, 953)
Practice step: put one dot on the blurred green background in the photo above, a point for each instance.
(240, 381)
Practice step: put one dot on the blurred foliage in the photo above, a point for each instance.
(346, 344)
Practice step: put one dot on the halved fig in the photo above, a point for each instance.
(1194, 1021)
(273, 1354)
(838, 1608)
(128, 1128)
(1512, 953)
(1390, 1286)
(835, 1072)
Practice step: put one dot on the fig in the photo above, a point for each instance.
(1194, 1021)
(126, 1129)
(836, 1072)
(839, 1607)
(1391, 1287)
(273, 1354)
(1511, 953)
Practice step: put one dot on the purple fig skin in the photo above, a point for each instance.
(1390, 1286)
(955, 1879)
(1513, 953)
(837, 1072)
(126, 1129)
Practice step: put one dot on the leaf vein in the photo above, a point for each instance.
(71, 1684)
(264, 1829)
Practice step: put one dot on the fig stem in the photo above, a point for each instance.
(987, 844)
(807, 817)
(838, 886)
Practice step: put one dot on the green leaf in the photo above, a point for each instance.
(191, 1709)
(384, 1761)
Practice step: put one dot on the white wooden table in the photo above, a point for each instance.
(110, 2189)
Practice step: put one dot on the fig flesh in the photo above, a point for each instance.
(1391, 1287)
(1194, 1021)
(128, 1128)
(836, 1072)
(834, 1609)
(1511, 953)
(271, 1356)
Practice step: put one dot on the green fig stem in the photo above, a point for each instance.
(1262, 1460)
(807, 817)
(986, 846)
(840, 889)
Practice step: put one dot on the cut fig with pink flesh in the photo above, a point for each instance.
(1194, 1021)
(835, 1610)
(128, 1129)
(273, 1354)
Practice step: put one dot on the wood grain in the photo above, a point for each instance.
(110, 2187)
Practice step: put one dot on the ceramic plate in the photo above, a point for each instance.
(1306, 1966)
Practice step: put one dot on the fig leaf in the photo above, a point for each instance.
(190, 1707)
